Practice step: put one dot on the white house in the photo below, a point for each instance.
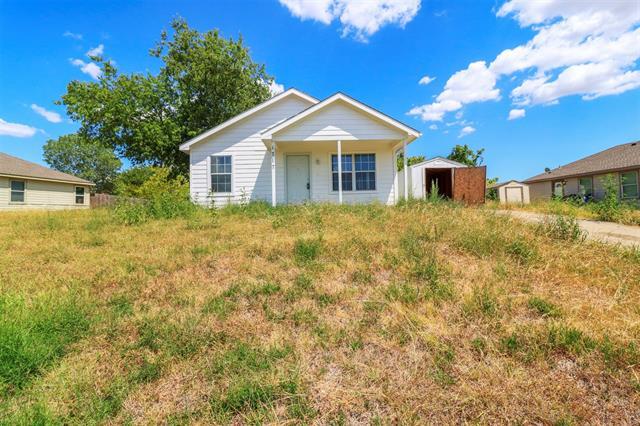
(286, 150)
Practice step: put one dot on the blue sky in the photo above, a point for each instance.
(571, 67)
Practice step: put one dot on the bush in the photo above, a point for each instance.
(563, 228)
(608, 209)
(160, 197)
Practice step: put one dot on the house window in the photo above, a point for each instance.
(585, 186)
(221, 174)
(358, 168)
(365, 172)
(79, 195)
(347, 172)
(629, 184)
(558, 189)
(17, 191)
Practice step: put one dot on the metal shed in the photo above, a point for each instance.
(512, 192)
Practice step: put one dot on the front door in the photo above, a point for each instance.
(298, 183)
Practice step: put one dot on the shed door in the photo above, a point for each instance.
(513, 194)
(469, 184)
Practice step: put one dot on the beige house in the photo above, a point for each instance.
(586, 177)
(26, 185)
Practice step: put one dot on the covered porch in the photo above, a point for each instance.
(304, 152)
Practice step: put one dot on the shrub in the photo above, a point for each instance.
(563, 228)
(608, 209)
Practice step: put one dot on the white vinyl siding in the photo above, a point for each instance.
(45, 195)
(251, 159)
(338, 121)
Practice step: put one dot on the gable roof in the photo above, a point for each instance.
(16, 167)
(443, 159)
(290, 92)
(503, 183)
(390, 121)
(618, 157)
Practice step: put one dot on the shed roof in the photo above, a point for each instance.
(17, 167)
(624, 156)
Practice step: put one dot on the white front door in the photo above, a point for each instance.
(298, 183)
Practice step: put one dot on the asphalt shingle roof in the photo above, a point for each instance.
(14, 166)
(618, 157)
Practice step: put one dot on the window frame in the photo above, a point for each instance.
(353, 173)
(75, 194)
(23, 192)
(211, 173)
(586, 194)
(622, 185)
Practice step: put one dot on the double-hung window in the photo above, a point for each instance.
(79, 195)
(585, 186)
(17, 191)
(221, 174)
(356, 168)
(629, 184)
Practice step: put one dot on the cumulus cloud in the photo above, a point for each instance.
(584, 48)
(426, 80)
(74, 36)
(361, 19)
(50, 116)
(89, 68)
(16, 130)
(96, 51)
(275, 88)
(466, 130)
(514, 114)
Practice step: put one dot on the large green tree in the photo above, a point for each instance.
(84, 158)
(204, 80)
(465, 155)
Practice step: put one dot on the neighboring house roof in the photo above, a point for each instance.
(499, 184)
(290, 92)
(16, 167)
(452, 163)
(390, 121)
(619, 157)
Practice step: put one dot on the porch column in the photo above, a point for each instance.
(406, 172)
(339, 172)
(273, 173)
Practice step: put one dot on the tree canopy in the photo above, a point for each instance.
(204, 80)
(465, 155)
(84, 158)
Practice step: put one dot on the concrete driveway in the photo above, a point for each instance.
(608, 232)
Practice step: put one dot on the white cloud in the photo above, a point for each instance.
(426, 80)
(359, 18)
(584, 48)
(16, 130)
(275, 88)
(50, 116)
(458, 115)
(467, 130)
(433, 127)
(89, 68)
(96, 51)
(514, 114)
(74, 36)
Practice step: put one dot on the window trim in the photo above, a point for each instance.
(210, 174)
(353, 173)
(75, 195)
(24, 191)
(622, 185)
(592, 186)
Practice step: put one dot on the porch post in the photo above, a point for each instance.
(273, 173)
(406, 172)
(339, 172)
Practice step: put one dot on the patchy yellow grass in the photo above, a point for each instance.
(316, 314)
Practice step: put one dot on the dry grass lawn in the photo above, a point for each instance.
(314, 314)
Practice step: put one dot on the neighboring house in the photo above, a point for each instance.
(585, 177)
(438, 171)
(512, 192)
(27, 185)
(286, 150)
